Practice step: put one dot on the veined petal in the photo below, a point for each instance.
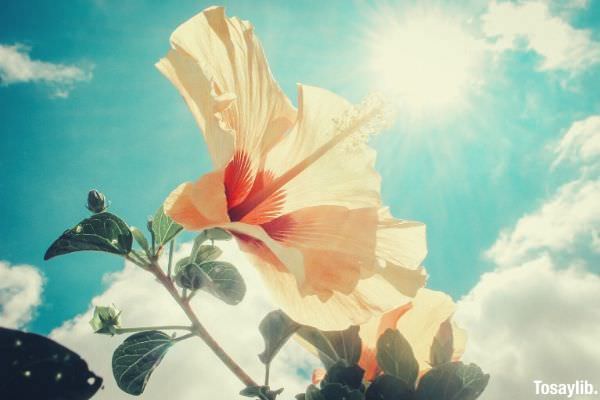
(344, 175)
(220, 69)
(321, 161)
(401, 243)
(337, 244)
(371, 296)
(196, 89)
(286, 271)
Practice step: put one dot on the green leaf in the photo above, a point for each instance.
(452, 381)
(395, 357)
(350, 376)
(217, 234)
(253, 391)
(204, 253)
(191, 276)
(100, 232)
(333, 346)
(313, 393)
(226, 282)
(276, 328)
(387, 387)
(164, 228)
(140, 238)
(180, 264)
(261, 392)
(136, 358)
(336, 391)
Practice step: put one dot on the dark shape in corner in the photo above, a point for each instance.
(34, 367)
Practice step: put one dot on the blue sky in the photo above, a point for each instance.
(466, 173)
(470, 168)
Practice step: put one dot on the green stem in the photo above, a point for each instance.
(169, 267)
(140, 257)
(186, 336)
(191, 295)
(153, 238)
(267, 371)
(198, 329)
(119, 331)
(136, 261)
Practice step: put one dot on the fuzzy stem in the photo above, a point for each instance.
(198, 329)
(267, 372)
(186, 336)
(119, 331)
(136, 261)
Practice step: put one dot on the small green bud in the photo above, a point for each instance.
(149, 224)
(106, 320)
(96, 201)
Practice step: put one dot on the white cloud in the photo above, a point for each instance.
(189, 370)
(16, 66)
(568, 216)
(581, 143)
(571, 216)
(561, 46)
(20, 293)
(536, 317)
(575, 4)
(532, 322)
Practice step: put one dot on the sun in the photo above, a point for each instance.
(423, 61)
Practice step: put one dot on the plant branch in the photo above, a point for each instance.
(198, 329)
(119, 331)
(186, 336)
(137, 262)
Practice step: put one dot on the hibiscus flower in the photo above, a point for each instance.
(296, 187)
(427, 316)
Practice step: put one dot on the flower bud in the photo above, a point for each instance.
(149, 224)
(106, 320)
(96, 201)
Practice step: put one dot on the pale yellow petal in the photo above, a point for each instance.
(401, 243)
(460, 342)
(282, 268)
(344, 175)
(185, 74)
(219, 66)
(371, 297)
(337, 243)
